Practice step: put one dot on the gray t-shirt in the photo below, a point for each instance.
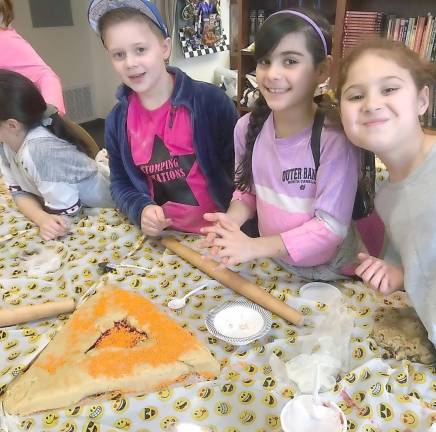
(56, 171)
(408, 210)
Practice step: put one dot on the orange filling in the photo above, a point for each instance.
(167, 341)
(120, 336)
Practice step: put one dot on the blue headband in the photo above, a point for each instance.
(308, 20)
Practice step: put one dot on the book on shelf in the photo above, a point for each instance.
(360, 25)
(417, 33)
(427, 117)
(253, 21)
(260, 18)
(363, 13)
(357, 32)
(428, 120)
(359, 21)
(257, 18)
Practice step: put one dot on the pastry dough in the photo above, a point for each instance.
(117, 340)
(400, 332)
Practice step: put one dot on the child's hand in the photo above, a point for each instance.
(228, 242)
(153, 220)
(216, 219)
(53, 226)
(379, 274)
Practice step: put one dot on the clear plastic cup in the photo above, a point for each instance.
(321, 292)
(302, 415)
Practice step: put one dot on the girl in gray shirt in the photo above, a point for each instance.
(384, 90)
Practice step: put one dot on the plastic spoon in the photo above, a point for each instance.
(107, 266)
(315, 394)
(178, 303)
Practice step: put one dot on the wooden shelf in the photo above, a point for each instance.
(399, 7)
(334, 11)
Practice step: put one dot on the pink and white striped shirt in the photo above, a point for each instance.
(311, 211)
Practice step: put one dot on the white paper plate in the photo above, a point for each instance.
(238, 322)
(320, 292)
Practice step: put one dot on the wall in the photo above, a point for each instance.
(76, 54)
(104, 78)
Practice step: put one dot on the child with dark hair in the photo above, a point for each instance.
(383, 90)
(169, 138)
(42, 161)
(304, 213)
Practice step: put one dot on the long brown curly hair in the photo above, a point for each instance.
(267, 39)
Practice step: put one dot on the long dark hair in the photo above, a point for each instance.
(267, 39)
(22, 101)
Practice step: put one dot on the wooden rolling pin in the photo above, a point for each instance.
(234, 281)
(22, 314)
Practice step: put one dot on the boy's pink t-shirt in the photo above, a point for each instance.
(162, 148)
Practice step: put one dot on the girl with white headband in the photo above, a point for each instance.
(304, 210)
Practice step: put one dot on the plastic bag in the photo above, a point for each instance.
(227, 79)
(327, 348)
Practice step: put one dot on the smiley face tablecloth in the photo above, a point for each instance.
(375, 394)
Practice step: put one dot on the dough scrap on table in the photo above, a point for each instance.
(400, 332)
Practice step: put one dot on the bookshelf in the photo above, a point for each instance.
(334, 10)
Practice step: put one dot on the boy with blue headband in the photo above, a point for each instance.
(169, 138)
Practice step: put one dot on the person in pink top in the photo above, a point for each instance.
(17, 55)
(169, 138)
(304, 211)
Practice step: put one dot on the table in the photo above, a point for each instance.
(375, 394)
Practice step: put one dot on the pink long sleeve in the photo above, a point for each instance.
(311, 211)
(17, 54)
(311, 244)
